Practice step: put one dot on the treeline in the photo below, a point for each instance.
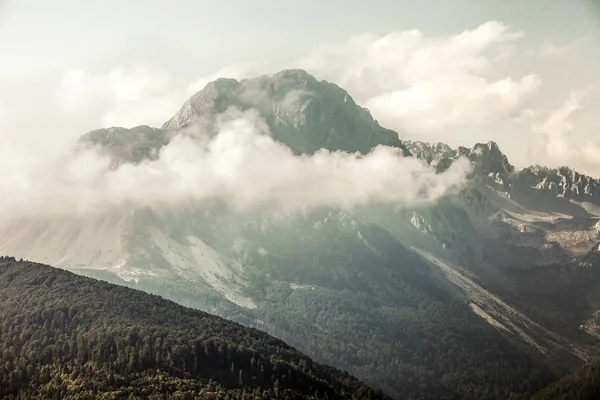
(65, 336)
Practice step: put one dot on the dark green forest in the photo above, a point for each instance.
(583, 384)
(64, 336)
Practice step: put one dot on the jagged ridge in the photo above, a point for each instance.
(489, 161)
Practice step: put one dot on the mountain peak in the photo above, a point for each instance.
(222, 83)
(492, 148)
(302, 112)
(490, 160)
(493, 145)
(563, 181)
(297, 74)
(486, 157)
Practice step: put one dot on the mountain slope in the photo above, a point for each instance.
(534, 226)
(583, 384)
(63, 336)
(331, 283)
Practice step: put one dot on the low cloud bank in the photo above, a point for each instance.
(242, 165)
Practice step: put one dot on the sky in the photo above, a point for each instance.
(519, 72)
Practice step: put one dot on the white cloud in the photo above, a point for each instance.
(414, 83)
(552, 49)
(486, 83)
(421, 84)
(555, 144)
(439, 103)
(236, 165)
(121, 97)
(410, 82)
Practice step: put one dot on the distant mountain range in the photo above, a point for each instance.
(491, 293)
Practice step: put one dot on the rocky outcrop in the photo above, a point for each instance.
(563, 181)
(126, 145)
(491, 166)
(438, 155)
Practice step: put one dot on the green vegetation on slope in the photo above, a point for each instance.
(583, 384)
(65, 336)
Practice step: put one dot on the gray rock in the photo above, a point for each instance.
(126, 145)
(301, 112)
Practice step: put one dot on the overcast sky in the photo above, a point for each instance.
(521, 72)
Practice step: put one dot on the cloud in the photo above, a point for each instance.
(551, 49)
(481, 84)
(121, 97)
(414, 83)
(556, 146)
(422, 84)
(49, 114)
(450, 86)
(439, 103)
(236, 165)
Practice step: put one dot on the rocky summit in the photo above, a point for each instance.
(300, 111)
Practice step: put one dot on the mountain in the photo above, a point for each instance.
(487, 159)
(340, 288)
(490, 293)
(126, 145)
(301, 112)
(563, 181)
(67, 336)
(538, 227)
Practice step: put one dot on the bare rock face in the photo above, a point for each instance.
(490, 165)
(303, 113)
(563, 181)
(126, 145)
(438, 155)
(490, 160)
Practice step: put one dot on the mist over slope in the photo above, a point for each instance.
(281, 204)
(288, 142)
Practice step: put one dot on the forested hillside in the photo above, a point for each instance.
(583, 384)
(64, 336)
